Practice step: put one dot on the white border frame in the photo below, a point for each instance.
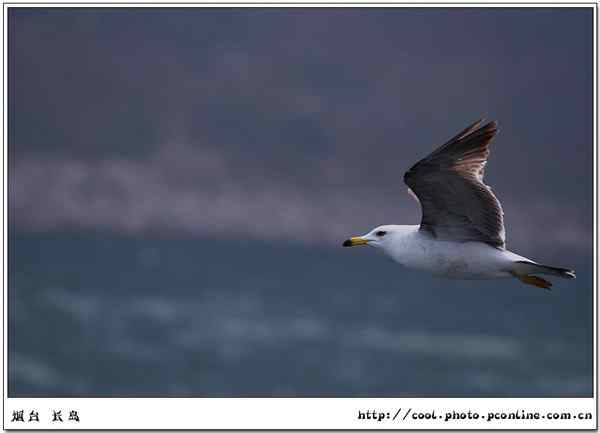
(294, 413)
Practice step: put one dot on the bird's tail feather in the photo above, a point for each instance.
(527, 268)
(525, 271)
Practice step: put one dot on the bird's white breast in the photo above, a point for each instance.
(469, 260)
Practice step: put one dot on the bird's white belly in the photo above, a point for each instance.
(465, 260)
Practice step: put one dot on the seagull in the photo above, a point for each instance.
(461, 234)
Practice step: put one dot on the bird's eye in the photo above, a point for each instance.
(381, 233)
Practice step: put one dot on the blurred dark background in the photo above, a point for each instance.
(181, 180)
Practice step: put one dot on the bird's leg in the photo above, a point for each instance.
(532, 280)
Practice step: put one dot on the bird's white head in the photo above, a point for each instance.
(379, 237)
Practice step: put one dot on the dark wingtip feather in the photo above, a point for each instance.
(472, 131)
(490, 126)
(468, 130)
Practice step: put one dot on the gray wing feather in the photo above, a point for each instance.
(455, 202)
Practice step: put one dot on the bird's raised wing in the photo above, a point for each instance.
(456, 204)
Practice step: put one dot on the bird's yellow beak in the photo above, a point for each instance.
(352, 242)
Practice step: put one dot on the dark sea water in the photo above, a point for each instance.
(97, 314)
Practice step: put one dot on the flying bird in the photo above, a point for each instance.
(461, 234)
